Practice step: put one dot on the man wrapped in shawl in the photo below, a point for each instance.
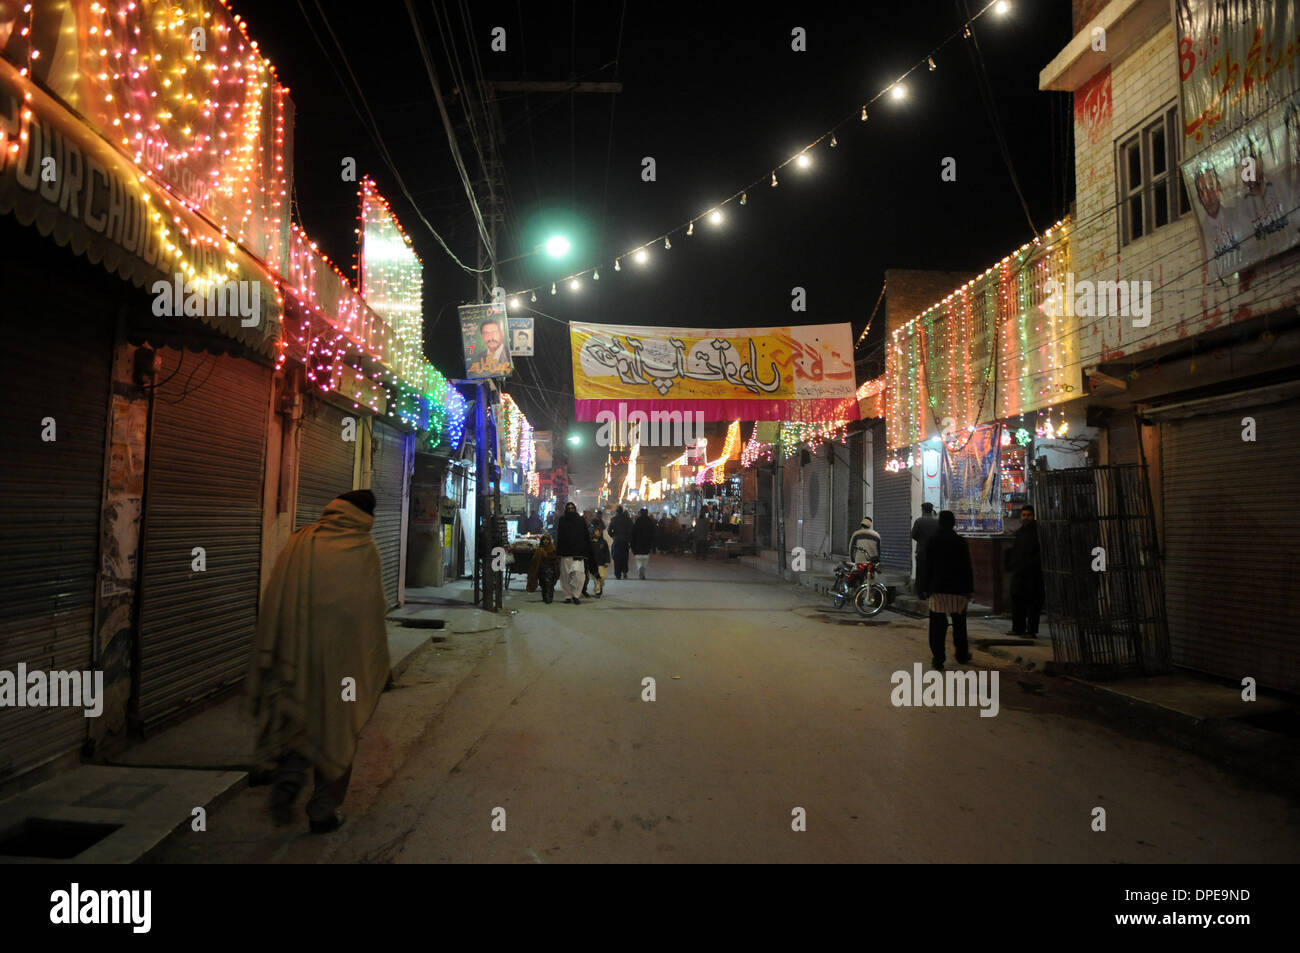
(544, 569)
(320, 660)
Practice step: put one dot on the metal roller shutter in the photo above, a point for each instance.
(892, 509)
(1232, 544)
(51, 502)
(207, 445)
(817, 503)
(389, 459)
(325, 461)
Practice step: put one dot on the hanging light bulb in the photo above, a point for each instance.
(864, 113)
(898, 91)
(834, 142)
(595, 275)
(930, 60)
(534, 296)
(744, 197)
(573, 285)
(617, 267)
(552, 287)
(773, 180)
(966, 31)
(667, 243)
(715, 217)
(640, 256)
(690, 229)
(802, 160)
(514, 302)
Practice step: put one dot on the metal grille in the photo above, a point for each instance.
(207, 446)
(1232, 544)
(388, 448)
(891, 514)
(55, 364)
(1104, 622)
(325, 461)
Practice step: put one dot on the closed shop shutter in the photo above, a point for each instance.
(389, 453)
(892, 516)
(857, 480)
(325, 460)
(57, 356)
(839, 537)
(1121, 437)
(1232, 544)
(817, 502)
(207, 443)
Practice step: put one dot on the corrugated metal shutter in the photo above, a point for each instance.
(1232, 543)
(389, 453)
(325, 460)
(1121, 438)
(56, 364)
(892, 510)
(207, 444)
(839, 539)
(817, 502)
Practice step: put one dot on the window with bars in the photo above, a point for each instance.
(1151, 189)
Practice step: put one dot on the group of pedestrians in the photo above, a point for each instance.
(582, 552)
(946, 578)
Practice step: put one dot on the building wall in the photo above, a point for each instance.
(1117, 101)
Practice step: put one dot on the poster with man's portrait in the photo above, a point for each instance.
(483, 330)
(521, 337)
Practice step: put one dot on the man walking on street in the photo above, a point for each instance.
(643, 540)
(573, 543)
(620, 528)
(923, 531)
(320, 658)
(1025, 562)
(949, 584)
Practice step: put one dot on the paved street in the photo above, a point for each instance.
(762, 706)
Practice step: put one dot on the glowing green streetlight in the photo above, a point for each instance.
(557, 246)
(575, 439)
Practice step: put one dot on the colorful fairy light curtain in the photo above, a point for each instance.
(793, 435)
(516, 436)
(992, 349)
(391, 275)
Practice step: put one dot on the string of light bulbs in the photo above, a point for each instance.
(640, 254)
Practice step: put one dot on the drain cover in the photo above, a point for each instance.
(55, 840)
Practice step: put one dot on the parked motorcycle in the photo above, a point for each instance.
(857, 581)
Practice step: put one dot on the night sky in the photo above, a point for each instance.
(715, 94)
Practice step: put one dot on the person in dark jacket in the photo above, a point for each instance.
(643, 540)
(544, 569)
(1026, 565)
(620, 527)
(923, 531)
(572, 542)
(949, 584)
(597, 560)
(700, 536)
(597, 525)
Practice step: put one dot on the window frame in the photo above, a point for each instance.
(1177, 203)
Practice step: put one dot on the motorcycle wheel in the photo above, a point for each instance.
(871, 600)
(838, 596)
